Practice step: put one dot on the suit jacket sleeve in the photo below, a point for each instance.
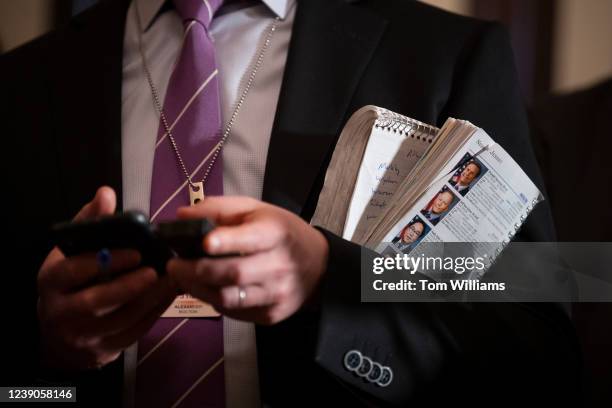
(439, 351)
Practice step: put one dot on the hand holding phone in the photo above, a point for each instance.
(132, 230)
(85, 323)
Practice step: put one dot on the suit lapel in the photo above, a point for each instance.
(90, 116)
(331, 44)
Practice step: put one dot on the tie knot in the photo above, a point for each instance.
(201, 11)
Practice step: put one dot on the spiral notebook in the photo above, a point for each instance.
(394, 182)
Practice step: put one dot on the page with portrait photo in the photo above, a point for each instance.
(481, 196)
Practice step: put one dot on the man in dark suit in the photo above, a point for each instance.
(61, 109)
(439, 206)
(464, 179)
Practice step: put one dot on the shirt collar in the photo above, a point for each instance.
(279, 7)
(149, 9)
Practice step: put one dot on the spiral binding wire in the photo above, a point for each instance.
(517, 227)
(397, 123)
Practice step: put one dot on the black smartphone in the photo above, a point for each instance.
(185, 238)
(156, 243)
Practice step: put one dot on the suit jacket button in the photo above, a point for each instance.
(352, 360)
(375, 373)
(365, 367)
(386, 376)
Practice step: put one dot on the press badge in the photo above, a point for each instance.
(188, 306)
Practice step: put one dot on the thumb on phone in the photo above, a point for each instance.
(103, 203)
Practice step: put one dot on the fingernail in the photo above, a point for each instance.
(213, 242)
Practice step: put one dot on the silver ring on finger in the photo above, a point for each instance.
(241, 296)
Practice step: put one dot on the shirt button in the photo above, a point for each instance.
(352, 360)
(365, 367)
(375, 373)
(386, 376)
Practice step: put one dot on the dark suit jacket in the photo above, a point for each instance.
(462, 192)
(431, 217)
(61, 119)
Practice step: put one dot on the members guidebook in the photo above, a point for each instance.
(395, 184)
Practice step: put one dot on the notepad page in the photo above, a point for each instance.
(388, 159)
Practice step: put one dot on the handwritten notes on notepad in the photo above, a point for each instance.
(388, 159)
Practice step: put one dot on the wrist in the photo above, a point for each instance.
(320, 266)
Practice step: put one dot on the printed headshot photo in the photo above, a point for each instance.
(410, 235)
(469, 171)
(440, 205)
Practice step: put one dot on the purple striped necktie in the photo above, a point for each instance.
(180, 361)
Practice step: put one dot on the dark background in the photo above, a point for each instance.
(569, 130)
